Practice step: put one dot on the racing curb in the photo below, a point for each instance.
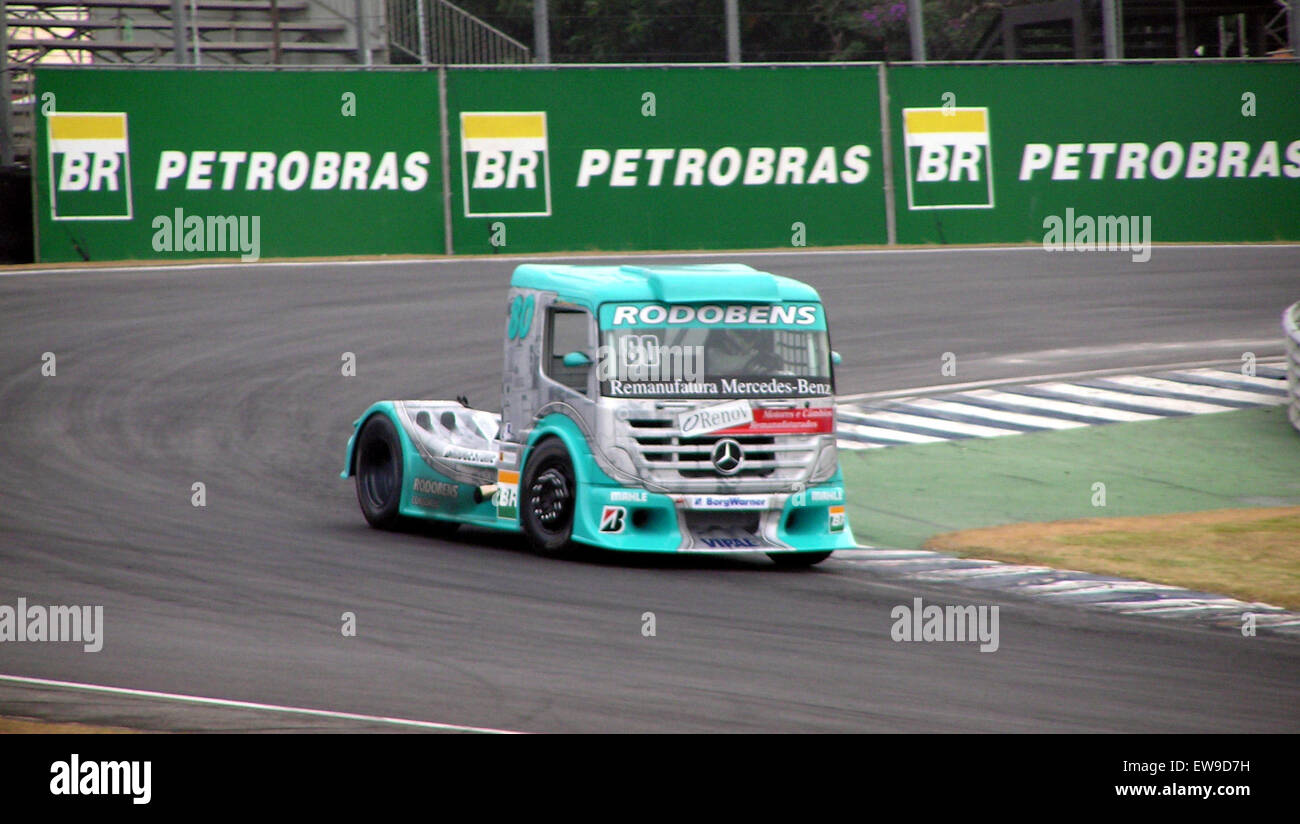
(1073, 588)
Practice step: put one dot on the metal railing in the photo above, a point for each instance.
(1291, 326)
(435, 32)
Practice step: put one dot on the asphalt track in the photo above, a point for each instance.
(230, 375)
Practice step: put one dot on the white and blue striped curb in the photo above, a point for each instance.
(1064, 586)
(1054, 405)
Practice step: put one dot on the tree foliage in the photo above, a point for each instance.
(668, 31)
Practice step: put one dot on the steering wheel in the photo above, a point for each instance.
(769, 362)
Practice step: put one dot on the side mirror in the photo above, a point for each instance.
(573, 360)
(835, 358)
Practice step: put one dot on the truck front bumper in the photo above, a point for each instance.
(624, 518)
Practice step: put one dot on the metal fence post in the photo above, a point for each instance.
(444, 138)
(6, 99)
(1293, 27)
(363, 55)
(916, 28)
(541, 33)
(277, 55)
(423, 26)
(178, 32)
(733, 31)
(887, 160)
(1109, 30)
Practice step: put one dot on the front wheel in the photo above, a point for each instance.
(379, 472)
(794, 560)
(548, 499)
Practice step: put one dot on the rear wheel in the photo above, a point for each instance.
(379, 472)
(794, 560)
(548, 499)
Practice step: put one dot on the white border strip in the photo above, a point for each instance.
(251, 705)
(940, 388)
(1291, 325)
(578, 256)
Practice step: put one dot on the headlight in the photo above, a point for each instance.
(826, 463)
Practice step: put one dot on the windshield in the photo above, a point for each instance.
(714, 362)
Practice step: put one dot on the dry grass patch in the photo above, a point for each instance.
(31, 726)
(1251, 554)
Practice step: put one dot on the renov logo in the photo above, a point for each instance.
(505, 164)
(948, 161)
(90, 166)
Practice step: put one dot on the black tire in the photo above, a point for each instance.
(798, 560)
(378, 472)
(548, 499)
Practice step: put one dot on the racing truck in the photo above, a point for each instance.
(643, 408)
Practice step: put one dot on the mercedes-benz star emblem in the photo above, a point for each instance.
(728, 456)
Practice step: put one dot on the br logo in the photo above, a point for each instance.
(505, 164)
(836, 518)
(948, 160)
(90, 166)
(612, 519)
(507, 496)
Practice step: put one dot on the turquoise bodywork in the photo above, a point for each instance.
(811, 520)
(655, 529)
(591, 286)
(460, 508)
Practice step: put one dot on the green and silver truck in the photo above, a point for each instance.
(649, 409)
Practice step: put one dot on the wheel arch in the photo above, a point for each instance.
(587, 472)
(564, 429)
(382, 408)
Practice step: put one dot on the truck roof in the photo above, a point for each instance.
(700, 283)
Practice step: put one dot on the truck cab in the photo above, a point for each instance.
(661, 409)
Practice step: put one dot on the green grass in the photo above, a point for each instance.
(902, 496)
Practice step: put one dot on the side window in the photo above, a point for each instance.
(566, 331)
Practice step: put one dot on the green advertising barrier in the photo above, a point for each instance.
(176, 164)
(664, 158)
(1013, 152)
(218, 164)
